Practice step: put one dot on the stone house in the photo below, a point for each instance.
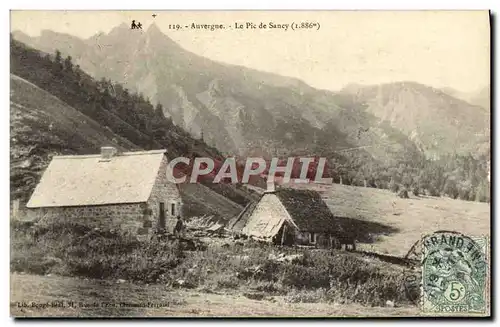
(288, 216)
(126, 190)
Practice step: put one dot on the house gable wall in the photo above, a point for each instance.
(267, 217)
(168, 193)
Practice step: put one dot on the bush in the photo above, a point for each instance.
(393, 186)
(305, 277)
(434, 191)
(36, 264)
(319, 295)
(105, 259)
(78, 250)
(228, 282)
(403, 194)
(269, 287)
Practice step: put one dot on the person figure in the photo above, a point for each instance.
(139, 25)
(179, 226)
(133, 26)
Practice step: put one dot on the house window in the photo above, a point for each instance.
(172, 209)
(312, 238)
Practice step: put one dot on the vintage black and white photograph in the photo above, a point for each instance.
(250, 164)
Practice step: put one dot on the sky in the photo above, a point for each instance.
(437, 48)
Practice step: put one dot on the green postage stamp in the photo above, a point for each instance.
(455, 275)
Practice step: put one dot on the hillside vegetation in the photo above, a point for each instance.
(129, 115)
(58, 109)
(41, 126)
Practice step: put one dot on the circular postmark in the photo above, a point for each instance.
(447, 272)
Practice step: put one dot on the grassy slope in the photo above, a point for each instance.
(41, 126)
(410, 218)
(207, 202)
(41, 109)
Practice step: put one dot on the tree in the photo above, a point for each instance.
(407, 180)
(68, 65)
(78, 75)
(58, 58)
(159, 109)
(58, 66)
(465, 190)
(483, 192)
(450, 188)
(159, 122)
(393, 186)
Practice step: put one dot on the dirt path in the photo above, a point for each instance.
(35, 296)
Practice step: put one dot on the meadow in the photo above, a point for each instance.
(388, 224)
(245, 268)
(234, 277)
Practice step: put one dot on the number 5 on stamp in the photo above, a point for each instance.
(455, 291)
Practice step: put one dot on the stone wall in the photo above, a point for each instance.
(128, 217)
(168, 193)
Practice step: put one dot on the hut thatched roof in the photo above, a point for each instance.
(236, 224)
(306, 209)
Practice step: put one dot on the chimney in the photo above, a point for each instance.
(270, 186)
(107, 152)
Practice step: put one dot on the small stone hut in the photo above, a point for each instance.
(289, 216)
(126, 190)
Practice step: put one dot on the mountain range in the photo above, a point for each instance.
(246, 112)
(479, 98)
(51, 114)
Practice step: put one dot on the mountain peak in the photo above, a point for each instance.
(153, 28)
(119, 29)
(20, 36)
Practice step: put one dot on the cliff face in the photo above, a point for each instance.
(437, 122)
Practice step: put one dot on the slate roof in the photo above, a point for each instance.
(88, 180)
